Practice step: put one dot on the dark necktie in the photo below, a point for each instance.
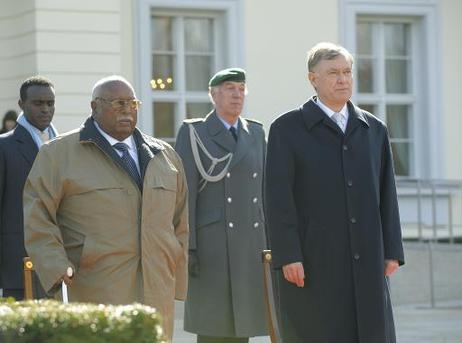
(233, 131)
(129, 162)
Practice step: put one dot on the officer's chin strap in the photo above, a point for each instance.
(206, 175)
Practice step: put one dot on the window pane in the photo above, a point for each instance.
(198, 34)
(164, 119)
(365, 75)
(398, 121)
(401, 158)
(198, 109)
(396, 39)
(198, 72)
(396, 76)
(364, 38)
(163, 72)
(162, 33)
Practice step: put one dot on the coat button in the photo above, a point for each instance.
(254, 200)
(254, 175)
(230, 225)
(256, 224)
(228, 175)
(229, 200)
(353, 220)
(356, 256)
(350, 183)
(345, 147)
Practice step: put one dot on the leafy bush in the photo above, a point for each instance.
(49, 321)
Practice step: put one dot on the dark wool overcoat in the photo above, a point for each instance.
(227, 231)
(331, 204)
(17, 154)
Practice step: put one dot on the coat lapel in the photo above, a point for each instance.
(218, 132)
(146, 150)
(355, 119)
(27, 146)
(244, 141)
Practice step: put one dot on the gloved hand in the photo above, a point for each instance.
(193, 263)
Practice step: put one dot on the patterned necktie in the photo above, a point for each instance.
(128, 161)
(232, 129)
(340, 120)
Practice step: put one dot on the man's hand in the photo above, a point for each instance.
(68, 277)
(391, 266)
(294, 273)
(193, 263)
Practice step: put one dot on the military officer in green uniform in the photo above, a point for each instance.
(223, 156)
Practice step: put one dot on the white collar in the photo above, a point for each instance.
(329, 112)
(130, 141)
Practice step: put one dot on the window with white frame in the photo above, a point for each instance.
(386, 81)
(186, 51)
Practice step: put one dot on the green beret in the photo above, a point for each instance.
(230, 74)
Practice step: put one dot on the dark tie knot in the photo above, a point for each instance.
(121, 147)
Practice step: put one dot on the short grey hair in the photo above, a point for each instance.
(96, 91)
(326, 51)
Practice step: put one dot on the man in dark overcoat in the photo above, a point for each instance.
(332, 212)
(225, 301)
(18, 149)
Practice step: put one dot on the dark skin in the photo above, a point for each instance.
(39, 106)
(118, 124)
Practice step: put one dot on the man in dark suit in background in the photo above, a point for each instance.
(332, 212)
(18, 149)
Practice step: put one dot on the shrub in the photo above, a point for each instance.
(49, 321)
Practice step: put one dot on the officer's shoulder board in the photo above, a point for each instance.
(193, 120)
(254, 121)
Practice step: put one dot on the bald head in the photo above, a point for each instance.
(114, 106)
(107, 83)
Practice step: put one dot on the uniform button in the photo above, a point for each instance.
(353, 220)
(350, 183)
(256, 224)
(230, 225)
(345, 147)
(228, 175)
(229, 200)
(356, 256)
(254, 200)
(254, 175)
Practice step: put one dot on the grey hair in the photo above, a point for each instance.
(326, 51)
(95, 92)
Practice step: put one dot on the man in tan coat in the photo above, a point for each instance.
(110, 202)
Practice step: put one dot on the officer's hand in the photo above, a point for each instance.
(391, 266)
(68, 276)
(193, 263)
(294, 273)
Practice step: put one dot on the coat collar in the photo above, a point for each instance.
(147, 147)
(312, 115)
(27, 146)
(218, 132)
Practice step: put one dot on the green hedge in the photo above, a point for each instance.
(49, 321)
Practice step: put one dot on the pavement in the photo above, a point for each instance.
(417, 323)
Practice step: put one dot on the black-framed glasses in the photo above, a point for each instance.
(118, 104)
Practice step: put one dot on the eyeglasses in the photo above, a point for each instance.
(118, 104)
